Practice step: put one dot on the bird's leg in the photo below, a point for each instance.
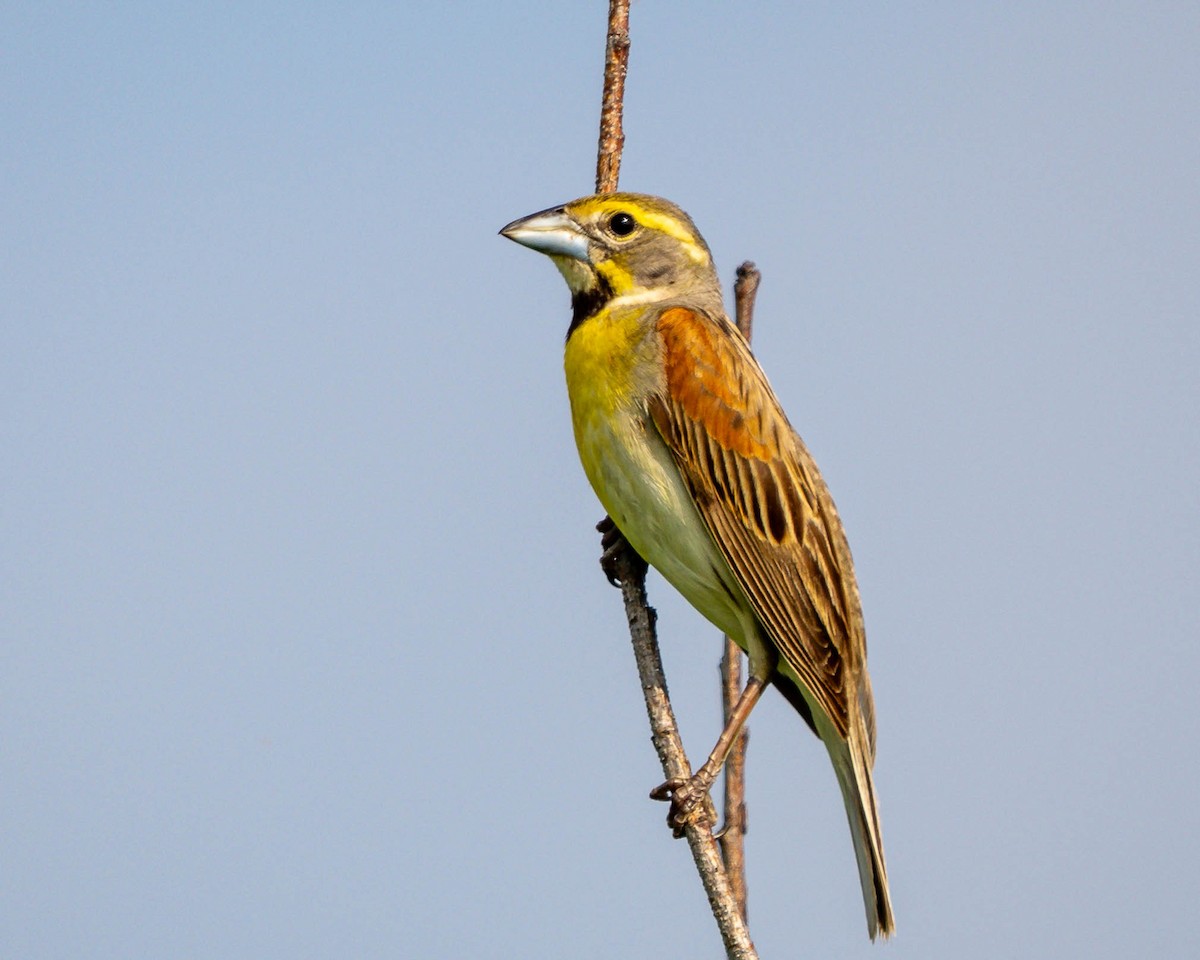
(689, 798)
(612, 543)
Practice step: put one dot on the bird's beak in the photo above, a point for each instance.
(551, 232)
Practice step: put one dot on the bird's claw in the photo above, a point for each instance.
(690, 803)
(612, 545)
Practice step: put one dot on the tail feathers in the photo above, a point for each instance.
(858, 792)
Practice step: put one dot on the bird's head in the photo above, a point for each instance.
(626, 246)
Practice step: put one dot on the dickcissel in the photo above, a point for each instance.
(695, 461)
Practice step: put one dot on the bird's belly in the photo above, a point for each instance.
(640, 486)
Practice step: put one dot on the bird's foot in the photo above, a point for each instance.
(690, 801)
(612, 545)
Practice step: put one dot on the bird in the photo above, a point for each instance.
(691, 454)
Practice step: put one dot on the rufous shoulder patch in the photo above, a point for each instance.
(706, 376)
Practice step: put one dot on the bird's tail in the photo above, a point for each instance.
(853, 766)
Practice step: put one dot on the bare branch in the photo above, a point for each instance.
(733, 847)
(733, 832)
(616, 63)
(626, 567)
(745, 288)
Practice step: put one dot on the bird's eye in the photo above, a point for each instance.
(622, 224)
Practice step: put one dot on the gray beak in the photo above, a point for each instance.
(551, 232)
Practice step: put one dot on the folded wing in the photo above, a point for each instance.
(764, 501)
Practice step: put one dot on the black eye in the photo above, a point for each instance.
(622, 224)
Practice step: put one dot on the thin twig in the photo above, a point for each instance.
(616, 63)
(630, 573)
(627, 569)
(733, 848)
(745, 288)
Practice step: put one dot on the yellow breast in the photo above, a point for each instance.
(611, 365)
(602, 382)
(599, 363)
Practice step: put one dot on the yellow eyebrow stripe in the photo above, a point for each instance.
(660, 222)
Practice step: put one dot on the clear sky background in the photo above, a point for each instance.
(305, 652)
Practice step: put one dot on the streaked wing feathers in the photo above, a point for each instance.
(766, 505)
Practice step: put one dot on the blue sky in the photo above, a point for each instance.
(303, 647)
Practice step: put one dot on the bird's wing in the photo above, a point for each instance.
(767, 507)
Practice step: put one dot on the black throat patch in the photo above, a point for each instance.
(587, 303)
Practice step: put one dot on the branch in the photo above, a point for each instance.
(745, 289)
(630, 572)
(733, 847)
(616, 63)
(626, 569)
